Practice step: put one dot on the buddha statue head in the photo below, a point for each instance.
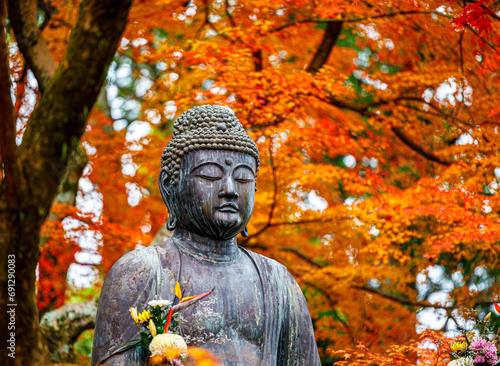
(208, 174)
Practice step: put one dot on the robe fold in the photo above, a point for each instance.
(151, 273)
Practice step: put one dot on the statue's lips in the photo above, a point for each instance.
(228, 207)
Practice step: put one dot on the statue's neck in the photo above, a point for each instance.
(211, 249)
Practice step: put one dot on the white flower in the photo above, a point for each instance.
(159, 302)
(462, 361)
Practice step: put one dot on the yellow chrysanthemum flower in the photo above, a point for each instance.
(133, 313)
(165, 347)
(455, 347)
(144, 316)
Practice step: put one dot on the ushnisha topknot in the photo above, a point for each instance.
(208, 127)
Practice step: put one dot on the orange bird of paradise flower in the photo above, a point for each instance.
(497, 307)
(181, 302)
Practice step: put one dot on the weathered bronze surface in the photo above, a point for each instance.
(257, 314)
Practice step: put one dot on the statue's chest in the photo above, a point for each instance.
(235, 310)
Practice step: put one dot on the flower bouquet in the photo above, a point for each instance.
(480, 350)
(155, 324)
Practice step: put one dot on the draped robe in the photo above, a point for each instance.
(151, 273)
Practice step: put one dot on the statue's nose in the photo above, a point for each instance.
(228, 188)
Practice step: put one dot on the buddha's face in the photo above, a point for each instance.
(215, 194)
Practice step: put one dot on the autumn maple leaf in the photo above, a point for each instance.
(476, 16)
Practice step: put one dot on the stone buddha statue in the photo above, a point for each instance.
(208, 181)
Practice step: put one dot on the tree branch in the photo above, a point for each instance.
(400, 300)
(23, 16)
(257, 59)
(333, 304)
(229, 16)
(417, 148)
(332, 33)
(62, 327)
(405, 301)
(364, 109)
(304, 257)
(378, 16)
(352, 20)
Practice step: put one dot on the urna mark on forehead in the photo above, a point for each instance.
(206, 128)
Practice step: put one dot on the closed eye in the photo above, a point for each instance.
(243, 180)
(208, 177)
(208, 171)
(243, 174)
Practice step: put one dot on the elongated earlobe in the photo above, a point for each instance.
(171, 222)
(244, 233)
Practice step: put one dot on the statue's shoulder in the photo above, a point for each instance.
(145, 256)
(263, 262)
(142, 263)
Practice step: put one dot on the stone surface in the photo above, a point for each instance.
(257, 314)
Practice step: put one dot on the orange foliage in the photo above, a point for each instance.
(57, 253)
(429, 349)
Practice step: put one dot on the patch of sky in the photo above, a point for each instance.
(161, 66)
(367, 79)
(142, 86)
(493, 186)
(128, 166)
(123, 75)
(349, 201)
(486, 207)
(134, 192)
(374, 231)
(81, 275)
(369, 30)
(111, 92)
(85, 185)
(363, 59)
(90, 203)
(154, 116)
(139, 42)
(466, 139)
(349, 161)
(170, 109)
(389, 44)
(315, 202)
(352, 253)
(191, 10)
(137, 130)
(446, 10)
(120, 124)
(207, 84)
(124, 43)
(449, 92)
(431, 318)
(481, 280)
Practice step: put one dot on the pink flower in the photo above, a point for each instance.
(485, 351)
(478, 344)
(479, 359)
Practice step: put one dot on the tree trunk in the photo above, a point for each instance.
(32, 171)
